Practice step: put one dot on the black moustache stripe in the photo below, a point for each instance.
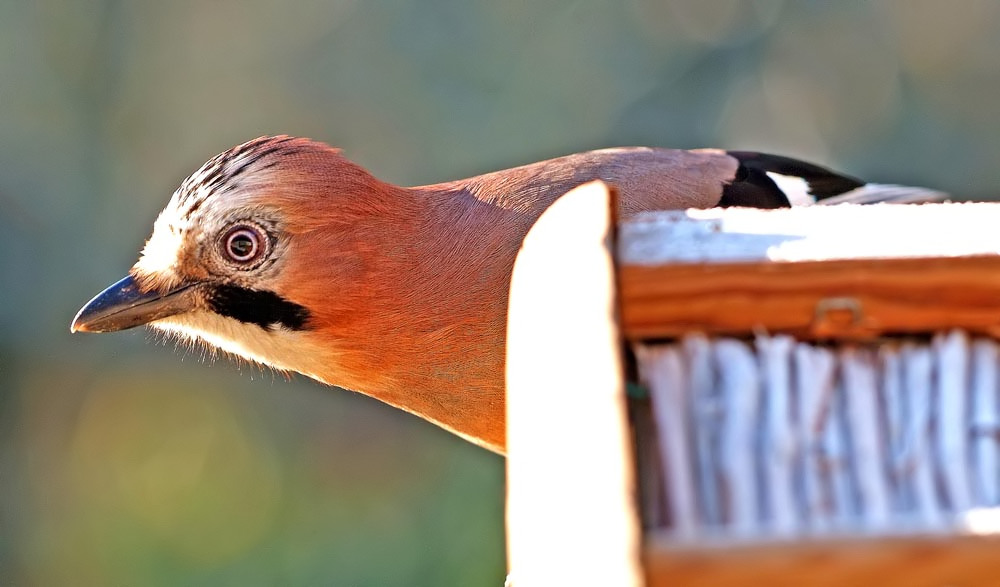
(263, 308)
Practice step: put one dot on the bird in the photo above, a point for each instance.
(284, 252)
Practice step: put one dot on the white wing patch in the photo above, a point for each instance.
(795, 189)
(872, 193)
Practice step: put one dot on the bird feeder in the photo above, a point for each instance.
(816, 400)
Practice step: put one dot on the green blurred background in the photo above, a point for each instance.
(126, 463)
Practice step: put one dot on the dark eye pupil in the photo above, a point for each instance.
(242, 245)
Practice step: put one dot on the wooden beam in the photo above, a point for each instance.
(885, 561)
(842, 299)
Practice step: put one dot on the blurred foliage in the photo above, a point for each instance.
(125, 463)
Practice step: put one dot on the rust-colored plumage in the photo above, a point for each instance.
(283, 251)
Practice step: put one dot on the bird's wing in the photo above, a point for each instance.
(874, 193)
(773, 181)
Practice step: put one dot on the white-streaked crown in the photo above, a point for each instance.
(219, 192)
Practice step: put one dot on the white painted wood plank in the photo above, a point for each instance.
(739, 381)
(779, 447)
(665, 374)
(570, 512)
(952, 351)
(812, 233)
(869, 447)
(986, 422)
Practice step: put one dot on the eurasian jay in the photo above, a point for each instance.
(284, 252)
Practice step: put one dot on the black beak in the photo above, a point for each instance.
(123, 306)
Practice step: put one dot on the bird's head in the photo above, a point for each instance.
(245, 256)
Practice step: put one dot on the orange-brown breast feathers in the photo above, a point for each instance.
(403, 300)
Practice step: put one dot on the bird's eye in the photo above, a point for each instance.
(244, 244)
